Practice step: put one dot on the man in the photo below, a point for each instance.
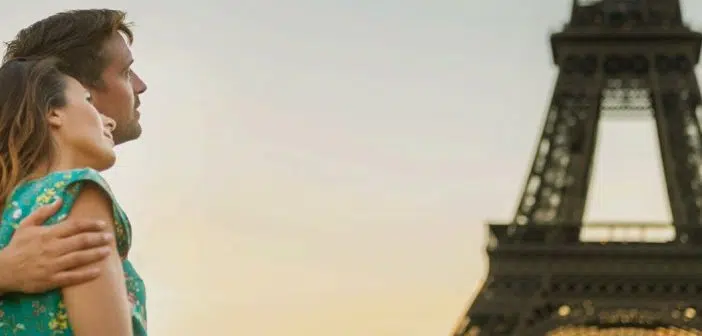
(95, 46)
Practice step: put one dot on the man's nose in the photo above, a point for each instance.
(138, 84)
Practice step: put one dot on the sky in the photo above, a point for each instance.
(321, 167)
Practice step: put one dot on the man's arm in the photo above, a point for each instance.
(41, 258)
(99, 306)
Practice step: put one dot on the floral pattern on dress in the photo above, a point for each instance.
(45, 314)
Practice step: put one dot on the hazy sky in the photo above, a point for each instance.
(326, 167)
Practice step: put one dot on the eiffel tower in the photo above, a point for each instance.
(624, 57)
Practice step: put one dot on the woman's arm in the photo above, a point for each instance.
(99, 306)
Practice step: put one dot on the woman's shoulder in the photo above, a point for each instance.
(66, 185)
(46, 189)
(65, 177)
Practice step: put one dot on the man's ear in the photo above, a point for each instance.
(55, 118)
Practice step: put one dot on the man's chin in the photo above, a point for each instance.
(132, 133)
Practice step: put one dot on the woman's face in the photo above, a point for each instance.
(83, 135)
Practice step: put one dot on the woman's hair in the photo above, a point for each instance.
(29, 89)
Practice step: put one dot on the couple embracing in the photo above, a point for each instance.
(68, 95)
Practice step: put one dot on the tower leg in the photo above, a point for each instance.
(675, 95)
(557, 186)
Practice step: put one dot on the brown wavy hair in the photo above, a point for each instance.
(29, 89)
(76, 37)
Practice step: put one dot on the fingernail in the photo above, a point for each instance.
(101, 224)
(107, 236)
(56, 200)
(104, 251)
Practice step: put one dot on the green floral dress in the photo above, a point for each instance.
(45, 314)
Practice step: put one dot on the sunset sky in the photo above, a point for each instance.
(319, 167)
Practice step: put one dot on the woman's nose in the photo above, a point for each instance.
(110, 123)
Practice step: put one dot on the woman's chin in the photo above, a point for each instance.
(104, 163)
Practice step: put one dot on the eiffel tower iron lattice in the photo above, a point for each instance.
(620, 57)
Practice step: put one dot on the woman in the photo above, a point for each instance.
(53, 142)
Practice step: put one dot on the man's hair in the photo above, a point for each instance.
(29, 89)
(75, 37)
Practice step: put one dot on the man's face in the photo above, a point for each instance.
(118, 97)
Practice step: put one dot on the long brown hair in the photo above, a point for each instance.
(29, 89)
